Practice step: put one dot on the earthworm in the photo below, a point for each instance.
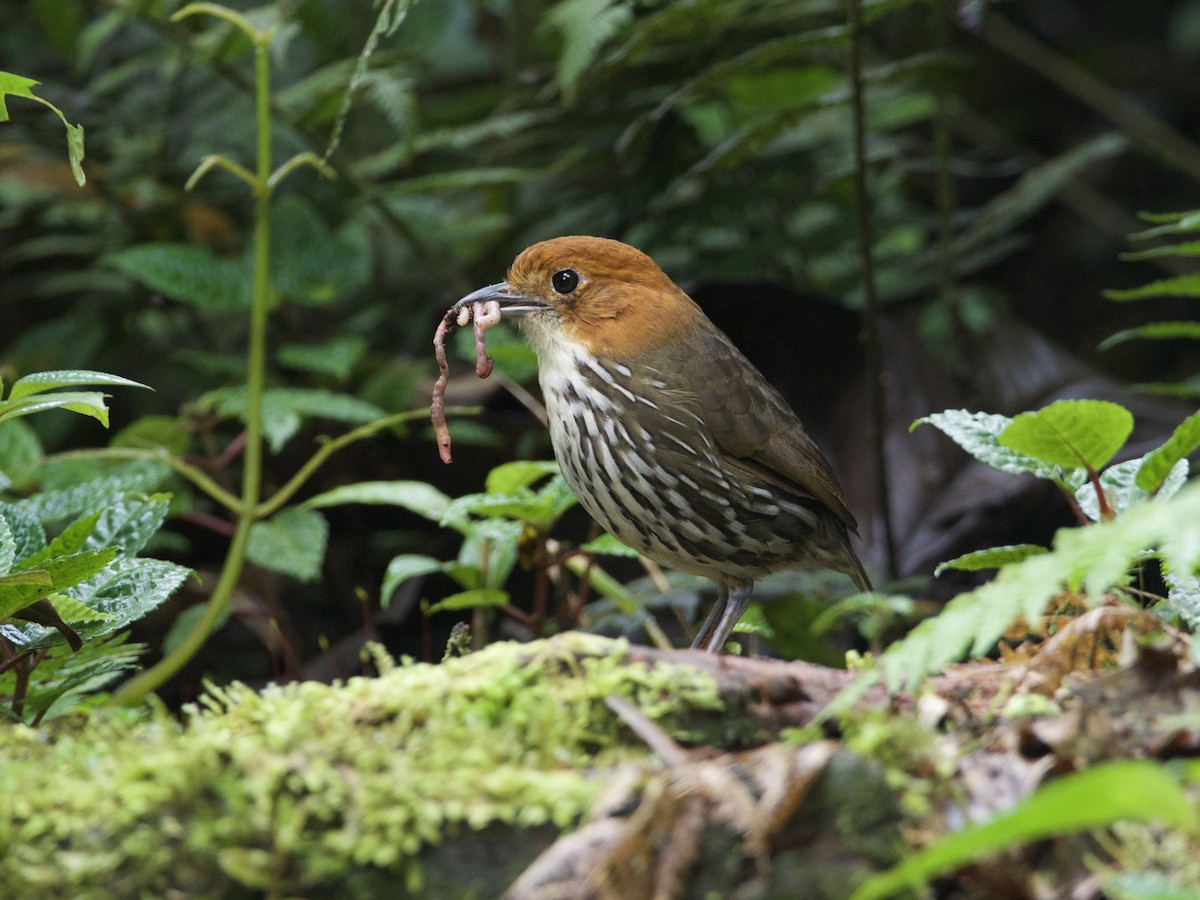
(486, 315)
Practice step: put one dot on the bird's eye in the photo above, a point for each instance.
(564, 281)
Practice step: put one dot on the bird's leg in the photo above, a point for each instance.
(714, 617)
(738, 598)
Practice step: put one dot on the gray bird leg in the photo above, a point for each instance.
(705, 632)
(735, 606)
(730, 605)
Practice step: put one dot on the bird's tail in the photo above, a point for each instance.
(857, 573)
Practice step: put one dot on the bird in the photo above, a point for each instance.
(668, 436)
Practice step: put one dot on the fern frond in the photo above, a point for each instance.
(1092, 559)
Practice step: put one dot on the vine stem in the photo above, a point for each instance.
(135, 690)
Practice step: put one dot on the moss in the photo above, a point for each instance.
(316, 788)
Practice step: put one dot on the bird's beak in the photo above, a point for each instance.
(513, 304)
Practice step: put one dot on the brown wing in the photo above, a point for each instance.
(754, 425)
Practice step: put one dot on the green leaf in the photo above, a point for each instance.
(992, 558)
(64, 571)
(25, 529)
(585, 26)
(291, 542)
(71, 610)
(63, 679)
(96, 493)
(127, 590)
(480, 597)
(86, 403)
(73, 539)
(1094, 798)
(404, 567)
(8, 546)
(39, 577)
(308, 262)
(1155, 331)
(1070, 433)
(19, 444)
(18, 86)
(607, 545)
(129, 523)
(415, 496)
(1186, 248)
(1183, 600)
(1158, 463)
(336, 357)
(1178, 286)
(1147, 886)
(38, 382)
(284, 409)
(1121, 490)
(1094, 558)
(186, 273)
(540, 509)
(978, 434)
(511, 477)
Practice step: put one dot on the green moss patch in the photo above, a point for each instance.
(337, 790)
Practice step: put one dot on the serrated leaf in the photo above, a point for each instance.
(65, 572)
(72, 539)
(402, 568)
(39, 577)
(991, 558)
(1178, 286)
(1121, 490)
(8, 546)
(415, 496)
(1095, 558)
(186, 273)
(68, 503)
(63, 678)
(480, 597)
(291, 542)
(978, 433)
(127, 590)
(72, 611)
(1182, 601)
(129, 523)
(27, 533)
(37, 382)
(1070, 433)
(1159, 462)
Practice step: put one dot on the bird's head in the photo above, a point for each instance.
(610, 297)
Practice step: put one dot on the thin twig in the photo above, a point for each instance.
(876, 372)
(1132, 118)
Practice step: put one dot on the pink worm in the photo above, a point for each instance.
(485, 315)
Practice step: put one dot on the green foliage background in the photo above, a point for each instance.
(715, 134)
